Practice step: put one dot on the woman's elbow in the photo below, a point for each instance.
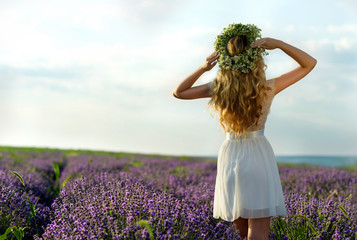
(179, 95)
(310, 65)
(313, 63)
(175, 94)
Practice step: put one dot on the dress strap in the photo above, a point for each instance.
(251, 134)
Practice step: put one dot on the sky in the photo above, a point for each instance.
(100, 74)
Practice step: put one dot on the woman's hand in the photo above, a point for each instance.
(185, 90)
(266, 43)
(211, 61)
(305, 61)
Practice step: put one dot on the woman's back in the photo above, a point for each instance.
(266, 103)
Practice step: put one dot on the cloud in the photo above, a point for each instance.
(290, 28)
(88, 14)
(344, 44)
(342, 29)
(313, 45)
(151, 15)
(339, 45)
(33, 47)
(185, 42)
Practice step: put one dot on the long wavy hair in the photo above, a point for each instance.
(236, 96)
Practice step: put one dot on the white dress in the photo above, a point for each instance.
(247, 182)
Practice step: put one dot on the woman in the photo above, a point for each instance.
(248, 190)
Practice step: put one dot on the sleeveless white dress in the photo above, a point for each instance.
(247, 182)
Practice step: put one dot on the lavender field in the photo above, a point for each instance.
(62, 194)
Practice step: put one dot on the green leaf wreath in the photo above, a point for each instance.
(245, 61)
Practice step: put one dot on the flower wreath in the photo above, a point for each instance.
(245, 61)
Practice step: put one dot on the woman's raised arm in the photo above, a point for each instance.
(306, 62)
(185, 90)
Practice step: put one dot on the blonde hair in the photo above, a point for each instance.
(236, 96)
